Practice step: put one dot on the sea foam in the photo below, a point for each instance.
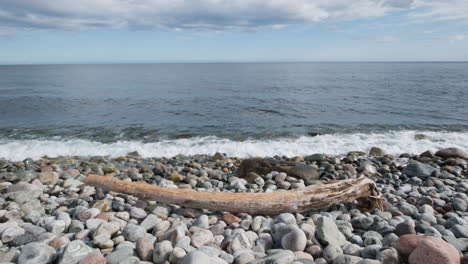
(393, 142)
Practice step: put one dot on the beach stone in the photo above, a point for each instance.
(331, 252)
(87, 214)
(23, 192)
(202, 222)
(276, 257)
(239, 241)
(93, 258)
(75, 251)
(295, 240)
(407, 243)
(201, 238)
(137, 213)
(458, 230)
(328, 233)
(451, 153)
(120, 254)
(347, 259)
(244, 258)
(428, 252)
(150, 222)
(11, 233)
(36, 253)
(376, 152)
(369, 261)
(286, 218)
(133, 232)
(459, 204)
(418, 169)
(59, 241)
(56, 227)
(388, 256)
(108, 228)
(145, 248)
(103, 205)
(49, 177)
(162, 251)
(196, 257)
(352, 249)
(230, 218)
(264, 166)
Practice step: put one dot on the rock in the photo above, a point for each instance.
(145, 248)
(347, 259)
(102, 205)
(75, 251)
(36, 253)
(56, 227)
(119, 255)
(49, 177)
(133, 232)
(138, 213)
(286, 218)
(59, 241)
(109, 228)
(230, 218)
(418, 169)
(276, 257)
(428, 252)
(318, 157)
(196, 257)
(327, 232)
(176, 177)
(150, 221)
(331, 252)
(458, 230)
(11, 233)
(202, 222)
(202, 237)
(23, 192)
(376, 152)
(459, 204)
(405, 228)
(295, 240)
(451, 153)
(244, 258)
(264, 166)
(93, 258)
(162, 251)
(388, 256)
(239, 241)
(217, 156)
(407, 243)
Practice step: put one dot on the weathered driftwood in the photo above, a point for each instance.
(264, 166)
(311, 197)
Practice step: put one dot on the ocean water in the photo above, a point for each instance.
(253, 109)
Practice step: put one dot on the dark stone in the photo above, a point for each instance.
(418, 169)
(404, 229)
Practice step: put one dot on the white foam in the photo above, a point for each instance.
(395, 142)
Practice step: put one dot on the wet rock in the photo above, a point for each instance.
(451, 153)
(418, 169)
(376, 152)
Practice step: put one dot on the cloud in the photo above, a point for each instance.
(459, 37)
(207, 14)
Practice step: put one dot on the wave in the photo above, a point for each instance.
(393, 142)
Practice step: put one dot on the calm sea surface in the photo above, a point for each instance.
(264, 101)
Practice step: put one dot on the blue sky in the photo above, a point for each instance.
(115, 31)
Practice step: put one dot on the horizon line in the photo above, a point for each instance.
(228, 62)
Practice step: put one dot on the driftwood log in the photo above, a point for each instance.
(310, 197)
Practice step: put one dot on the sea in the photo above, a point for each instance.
(240, 109)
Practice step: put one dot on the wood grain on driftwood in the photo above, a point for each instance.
(310, 197)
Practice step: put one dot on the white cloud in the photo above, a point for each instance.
(208, 14)
(459, 37)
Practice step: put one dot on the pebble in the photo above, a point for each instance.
(93, 258)
(295, 240)
(133, 232)
(162, 251)
(327, 232)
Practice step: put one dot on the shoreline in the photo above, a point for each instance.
(46, 209)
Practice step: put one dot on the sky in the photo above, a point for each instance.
(152, 31)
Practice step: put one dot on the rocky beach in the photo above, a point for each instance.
(47, 214)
